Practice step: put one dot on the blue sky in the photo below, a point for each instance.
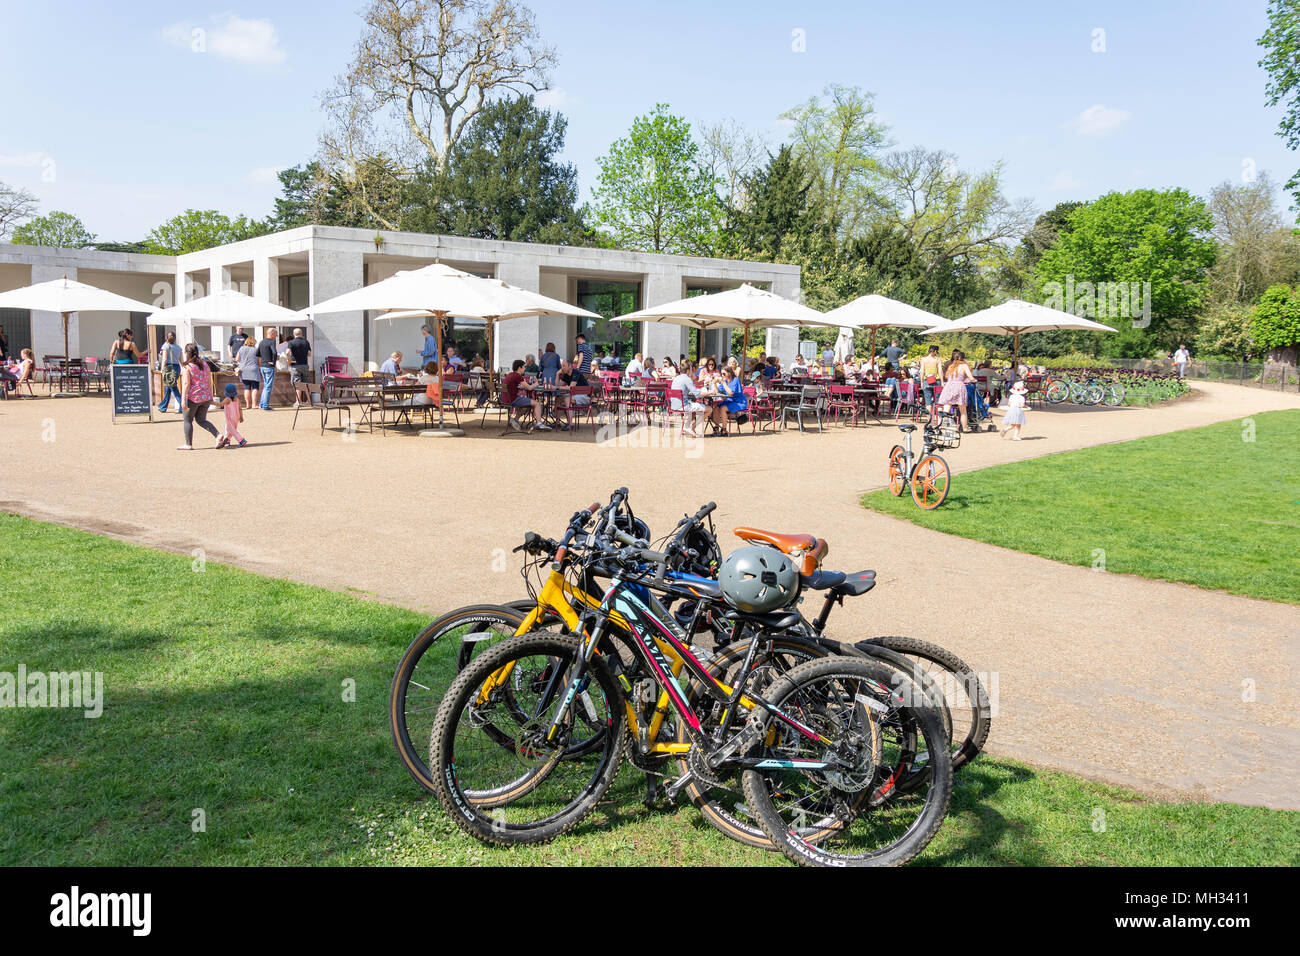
(109, 114)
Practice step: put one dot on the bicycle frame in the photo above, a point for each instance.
(631, 608)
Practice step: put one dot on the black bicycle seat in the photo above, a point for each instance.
(907, 428)
(855, 584)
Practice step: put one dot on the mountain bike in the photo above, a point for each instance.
(927, 475)
(835, 742)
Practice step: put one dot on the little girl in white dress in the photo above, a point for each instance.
(1015, 416)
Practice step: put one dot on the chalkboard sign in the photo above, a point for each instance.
(132, 389)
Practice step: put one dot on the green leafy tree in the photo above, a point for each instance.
(839, 136)
(1276, 324)
(1143, 236)
(777, 203)
(59, 229)
(1226, 332)
(1281, 41)
(653, 193)
(504, 180)
(197, 229)
(298, 202)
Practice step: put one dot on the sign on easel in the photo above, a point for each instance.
(132, 390)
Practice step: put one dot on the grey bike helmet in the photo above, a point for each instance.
(758, 579)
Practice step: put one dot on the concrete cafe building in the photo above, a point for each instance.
(298, 267)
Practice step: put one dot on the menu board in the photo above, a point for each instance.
(131, 388)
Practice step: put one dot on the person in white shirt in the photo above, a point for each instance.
(635, 367)
(1181, 358)
(696, 413)
(798, 366)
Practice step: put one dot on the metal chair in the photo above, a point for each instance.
(812, 401)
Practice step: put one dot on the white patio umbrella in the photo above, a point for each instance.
(881, 312)
(1015, 318)
(66, 296)
(742, 308)
(228, 307)
(441, 291)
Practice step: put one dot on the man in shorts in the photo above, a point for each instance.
(518, 394)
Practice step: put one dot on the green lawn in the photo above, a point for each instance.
(1203, 506)
(224, 691)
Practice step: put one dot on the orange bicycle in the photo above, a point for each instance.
(928, 476)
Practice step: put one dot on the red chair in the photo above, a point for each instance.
(653, 399)
(843, 399)
(671, 395)
(760, 406)
(573, 410)
(333, 365)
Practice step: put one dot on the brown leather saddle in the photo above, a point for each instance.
(806, 550)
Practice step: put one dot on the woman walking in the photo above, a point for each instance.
(169, 364)
(249, 377)
(196, 387)
(954, 387)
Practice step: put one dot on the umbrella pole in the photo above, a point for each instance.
(491, 358)
(744, 350)
(872, 356)
(437, 331)
(1015, 356)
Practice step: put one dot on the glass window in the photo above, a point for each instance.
(610, 299)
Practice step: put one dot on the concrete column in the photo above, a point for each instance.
(219, 280)
(659, 338)
(336, 333)
(266, 279)
(784, 343)
(519, 337)
(47, 327)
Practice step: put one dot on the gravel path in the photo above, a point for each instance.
(1114, 677)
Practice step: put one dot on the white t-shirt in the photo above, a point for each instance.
(1181, 356)
(634, 368)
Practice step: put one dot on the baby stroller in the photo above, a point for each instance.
(977, 411)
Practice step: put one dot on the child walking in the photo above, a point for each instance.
(234, 415)
(1015, 416)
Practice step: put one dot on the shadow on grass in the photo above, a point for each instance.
(981, 827)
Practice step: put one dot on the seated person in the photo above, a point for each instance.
(393, 366)
(570, 374)
(695, 413)
(840, 376)
(732, 401)
(21, 372)
(517, 393)
(771, 370)
(428, 376)
(455, 361)
(798, 366)
(531, 367)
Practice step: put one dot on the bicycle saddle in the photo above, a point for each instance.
(907, 428)
(837, 582)
(806, 549)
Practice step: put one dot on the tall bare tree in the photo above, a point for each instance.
(947, 212)
(730, 152)
(15, 206)
(421, 71)
(1256, 250)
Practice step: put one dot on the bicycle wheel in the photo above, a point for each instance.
(817, 817)
(897, 473)
(718, 794)
(1093, 394)
(534, 790)
(1115, 395)
(960, 688)
(1056, 393)
(421, 676)
(930, 482)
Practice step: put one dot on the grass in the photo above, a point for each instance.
(1217, 507)
(225, 692)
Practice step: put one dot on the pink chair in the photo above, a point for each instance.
(671, 395)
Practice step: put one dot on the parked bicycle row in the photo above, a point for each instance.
(702, 673)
